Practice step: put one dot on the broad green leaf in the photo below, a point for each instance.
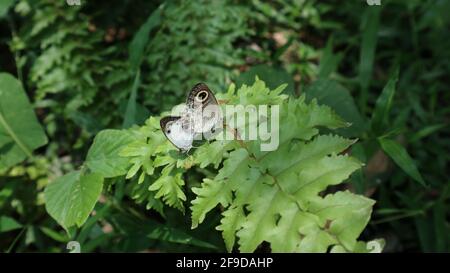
(383, 104)
(71, 198)
(336, 96)
(8, 224)
(103, 156)
(20, 131)
(272, 76)
(401, 157)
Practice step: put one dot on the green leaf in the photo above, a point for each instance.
(20, 131)
(55, 235)
(272, 76)
(336, 96)
(229, 225)
(347, 214)
(213, 153)
(383, 105)
(147, 154)
(369, 29)
(329, 61)
(426, 131)
(169, 188)
(141, 114)
(71, 198)
(8, 224)
(213, 192)
(140, 39)
(130, 112)
(401, 157)
(294, 200)
(103, 156)
(4, 7)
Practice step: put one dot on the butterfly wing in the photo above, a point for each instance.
(200, 95)
(178, 131)
(203, 108)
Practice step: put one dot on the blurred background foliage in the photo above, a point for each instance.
(80, 65)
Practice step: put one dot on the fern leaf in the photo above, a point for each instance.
(219, 190)
(276, 196)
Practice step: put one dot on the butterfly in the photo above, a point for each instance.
(201, 117)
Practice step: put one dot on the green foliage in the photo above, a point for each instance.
(195, 41)
(273, 77)
(103, 156)
(71, 198)
(20, 131)
(383, 105)
(140, 40)
(336, 96)
(266, 196)
(8, 224)
(5, 6)
(369, 29)
(136, 52)
(71, 66)
(279, 189)
(410, 105)
(402, 158)
(112, 64)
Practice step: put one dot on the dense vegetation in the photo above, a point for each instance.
(364, 126)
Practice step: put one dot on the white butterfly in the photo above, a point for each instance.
(202, 116)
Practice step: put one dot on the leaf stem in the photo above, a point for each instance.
(16, 240)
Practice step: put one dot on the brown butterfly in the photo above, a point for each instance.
(201, 116)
